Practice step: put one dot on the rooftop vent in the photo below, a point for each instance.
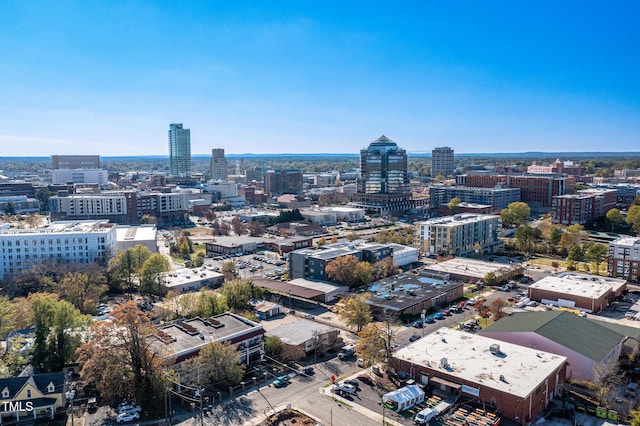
(215, 323)
(444, 363)
(495, 349)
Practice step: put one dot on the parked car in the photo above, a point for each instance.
(446, 312)
(127, 417)
(438, 316)
(429, 319)
(352, 382)
(345, 388)
(360, 363)
(127, 407)
(280, 383)
(365, 378)
(414, 337)
(284, 378)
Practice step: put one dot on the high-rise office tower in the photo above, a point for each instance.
(383, 168)
(441, 161)
(383, 184)
(218, 164)
(180, 150)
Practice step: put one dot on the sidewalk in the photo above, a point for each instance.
(326, 391)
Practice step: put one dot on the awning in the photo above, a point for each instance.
(445, 382)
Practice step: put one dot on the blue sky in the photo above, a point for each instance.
(94, 77)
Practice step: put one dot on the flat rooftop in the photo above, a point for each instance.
(298, 332)
(185, 275)
(517, 370)
(236, 240)
(405, 290)
(627, 241)
(136, 233)
(300, 287)
(65, 226)
(583, 285)
(183, 336)
(474, 268)
(458, 219)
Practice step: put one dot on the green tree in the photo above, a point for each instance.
(554, 236)
(10, 208)
(576, 253)
(363, 273)
(352, 236)
(58, 332)
(82, 289)
(229, 270)
(273, 345)
(454, 203)
(6, 316)
(633, 218)
(596, 253)
(490, 278)
(152, 275)
(355, 311)
(321, 242)
(516, 213)
(43, 195)
(219, 363)
(615, 218)
(125, 268)
(371, 344)
(527, 237)
(238, 294)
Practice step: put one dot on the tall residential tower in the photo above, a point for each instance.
(179, 150)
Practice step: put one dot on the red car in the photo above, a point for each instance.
(365, 378)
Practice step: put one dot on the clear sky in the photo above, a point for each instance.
(107, 77)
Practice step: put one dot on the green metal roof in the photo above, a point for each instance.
(591, 338)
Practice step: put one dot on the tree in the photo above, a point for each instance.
(152, 275)
(256, 228)
(596, 253)
(210, 215)
(82, 289)
(576, 253)
(615, 218)
(355, 311)
(273, 345)
(527, 237)
(363, 273)
(515, 214)
(490, 278)
(148, 219)
(10, 208)
(238, 293)
(606, 379)
(229, 270)
(43, 195)
(633, 218)
(384, 268)
(6, 316)
(352, 236)
(371, 345)
(495, 307)
(237, 226)
(219, 364)
(342, 270)
(454, 203)
(554, 236)
(125, 268)
(321, 242)
(572, 235)
(58, 332)
(121, 361)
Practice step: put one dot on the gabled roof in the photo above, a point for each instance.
(590, 338)
(41, 381)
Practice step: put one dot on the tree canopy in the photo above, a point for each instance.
(515, 214)
(355, 311)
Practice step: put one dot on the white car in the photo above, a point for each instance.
(345, 388)
(127, 417)
(126, 407)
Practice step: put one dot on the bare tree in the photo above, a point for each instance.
(606, 379)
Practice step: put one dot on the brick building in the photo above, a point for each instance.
(584, 207)
(624, 259)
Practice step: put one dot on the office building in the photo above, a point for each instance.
(75, 162)
(61, 242)
(458, 235)
(383, 184)
(624, 259)
(517, 380)
(278, 182)
(219, 169)
(79, 176)
(442, 161)
(179, 150)
(558, 166)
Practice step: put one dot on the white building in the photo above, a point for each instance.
(458, 235)
(624, 258)
(131, 236)
(185, 279)
(226, 189)
(61, 242)
(91, 176)
(348, 214)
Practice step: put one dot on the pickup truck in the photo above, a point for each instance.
(347, 351)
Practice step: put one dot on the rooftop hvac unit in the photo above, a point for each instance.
(444, 362)
(495, 349)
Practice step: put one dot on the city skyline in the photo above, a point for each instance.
(294, 78)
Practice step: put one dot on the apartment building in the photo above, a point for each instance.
(75, 162)
(278, 182)
(584, 207)
(497, 198)
(624, 259)
(79, 176)
(458, 235)
(442, 161)
(536, 190)
(61, 242)
(219, 168)
(558, 166)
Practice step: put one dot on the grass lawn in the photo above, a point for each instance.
(562, 265)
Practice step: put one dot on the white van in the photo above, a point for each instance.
(425, 416)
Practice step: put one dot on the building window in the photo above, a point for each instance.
(28, 393)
